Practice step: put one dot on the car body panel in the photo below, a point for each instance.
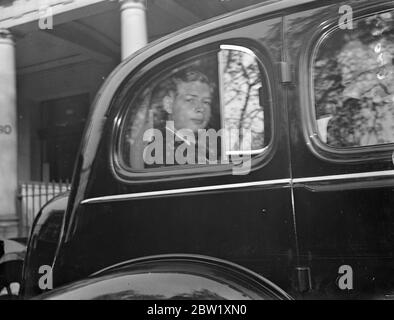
(171, 277)
(43, 242)
(343, 202)
(245, 228)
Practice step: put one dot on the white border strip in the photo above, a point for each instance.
(187, 190)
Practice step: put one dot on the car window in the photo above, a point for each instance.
(204, 110)
(353, 79)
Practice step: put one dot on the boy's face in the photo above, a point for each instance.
(190, 108)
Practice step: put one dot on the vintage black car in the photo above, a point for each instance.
(295, 198)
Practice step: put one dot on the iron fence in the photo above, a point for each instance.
(32, 196)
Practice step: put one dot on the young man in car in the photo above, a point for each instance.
(185, 99)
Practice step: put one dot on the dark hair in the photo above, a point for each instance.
(188, 75)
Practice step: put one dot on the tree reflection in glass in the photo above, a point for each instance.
(354, 83)
(242, 114)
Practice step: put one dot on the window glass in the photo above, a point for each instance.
(243, 115)
(205, 110)
(353, 77)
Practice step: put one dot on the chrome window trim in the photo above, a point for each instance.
(121, 197)
(285, 182)
(127, 175)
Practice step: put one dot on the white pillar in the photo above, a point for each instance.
(8, 129)
(133, 26)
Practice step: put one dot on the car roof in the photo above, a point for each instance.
(264, 7)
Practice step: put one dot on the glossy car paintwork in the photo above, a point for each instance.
(340, 222)
(171, 277)
(43, 243)
(270, 230)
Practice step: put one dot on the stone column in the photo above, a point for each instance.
(133, 26)
(8, 133)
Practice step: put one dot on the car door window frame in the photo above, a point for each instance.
(135, 83)
(307, 96)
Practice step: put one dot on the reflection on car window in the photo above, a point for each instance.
(242, 110)
(354, 84)
(206, 110)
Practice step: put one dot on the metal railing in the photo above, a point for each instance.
(32, 196)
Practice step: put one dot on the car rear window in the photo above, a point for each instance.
(353, 80)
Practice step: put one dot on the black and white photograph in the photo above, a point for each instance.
(216, 150)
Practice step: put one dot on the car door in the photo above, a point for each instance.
(342, 124)
(191, 208)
